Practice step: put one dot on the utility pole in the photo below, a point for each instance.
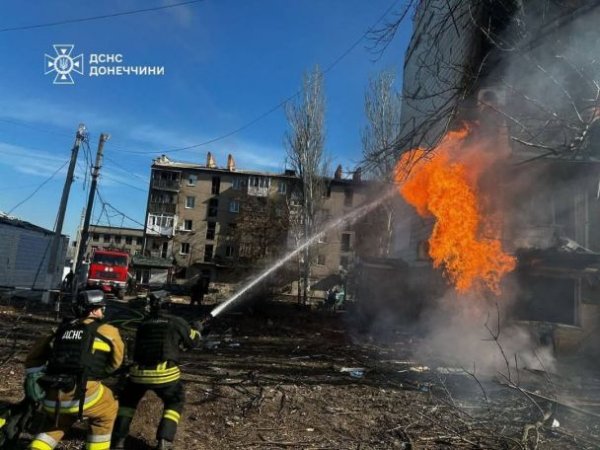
(88, 214)
(79, 230)
(80, 136)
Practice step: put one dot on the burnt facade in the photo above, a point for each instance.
(523, 72)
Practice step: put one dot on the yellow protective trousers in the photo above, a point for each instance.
(100, 408)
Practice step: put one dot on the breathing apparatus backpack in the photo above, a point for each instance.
(71, 362)
(151, 341)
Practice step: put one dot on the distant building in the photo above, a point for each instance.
(104, 237)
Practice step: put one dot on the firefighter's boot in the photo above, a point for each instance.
(163, 444)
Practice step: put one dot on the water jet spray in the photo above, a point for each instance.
(347, 218)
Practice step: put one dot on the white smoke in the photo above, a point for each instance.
(471, 333)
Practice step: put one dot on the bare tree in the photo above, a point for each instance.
(382, 109)
(541, 79)
(260, 229)
(305, 151)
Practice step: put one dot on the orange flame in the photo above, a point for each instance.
(443, 184)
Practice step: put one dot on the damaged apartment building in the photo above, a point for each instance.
(523, 74)
(225, 223)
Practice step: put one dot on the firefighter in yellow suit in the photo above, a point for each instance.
(69, 365)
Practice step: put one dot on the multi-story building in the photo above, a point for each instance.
(216, 221)
(107, 237)
(194, 211)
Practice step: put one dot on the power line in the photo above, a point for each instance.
(100, 17)
(39, 187)
(13, 188)
(103, 207)
(115, 180)
(328, 69)
(116, 210)
(250, 123)
(42, 130)
(124, 169)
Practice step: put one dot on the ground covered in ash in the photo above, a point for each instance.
(277, 376)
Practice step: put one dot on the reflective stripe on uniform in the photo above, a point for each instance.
(97, 445)
(193, 334)
(125, 411)
(43, 441)
(2, 422)
(101, 346)
(39, 445)
(160, 375)
(171, 415)
(98, 437)
(72, 406)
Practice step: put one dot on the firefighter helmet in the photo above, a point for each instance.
(88, 300)
(158, 300)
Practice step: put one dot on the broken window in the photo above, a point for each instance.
(216, 185)
(210, 230)
(238, 183)
(208, 252)
(348, 195)
(213, 207)
(345, 245)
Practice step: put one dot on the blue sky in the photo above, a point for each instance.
(226, 63)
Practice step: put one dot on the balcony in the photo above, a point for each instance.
(162, 208)
(169, 185)
(161, 225)
(157, 230)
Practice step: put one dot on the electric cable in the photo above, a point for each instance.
(104, 210)
(39, 187)
(127, 171)
(117, 210)
(99, 17)
(115, 180)
(274, 108)
(42, 130)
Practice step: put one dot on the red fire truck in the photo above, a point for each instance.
(109, 270)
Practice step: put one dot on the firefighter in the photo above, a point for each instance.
(69, 366)
(155, 367)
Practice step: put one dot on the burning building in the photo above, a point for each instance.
(498, 156)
